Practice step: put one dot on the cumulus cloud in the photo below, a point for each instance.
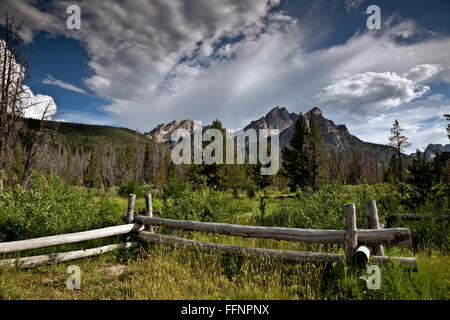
(424, 72)
(38, 106)
(30, 105)
(367, 92)
(62, 84)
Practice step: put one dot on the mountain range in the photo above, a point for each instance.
(432, 148)
(335, 137)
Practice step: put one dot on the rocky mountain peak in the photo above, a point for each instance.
(163, 132)
(316, 112)
(277, 118)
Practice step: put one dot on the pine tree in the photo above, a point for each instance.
(421, 176)
(19, 163)
(392, 170)
(441, 167)
(91, 175)
(400, 142)
(295, 159)
(214, 172)
(315, 154)
(254, 171)
(148, 163)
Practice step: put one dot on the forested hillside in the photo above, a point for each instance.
(92, 155)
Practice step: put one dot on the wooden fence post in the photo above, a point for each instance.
(361, 256)
(350, 240)
(130, 210)
(372, 219)
(149, 210)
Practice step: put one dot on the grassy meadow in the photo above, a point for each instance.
(158, 272)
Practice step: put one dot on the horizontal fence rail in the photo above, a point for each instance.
(21, 245)
(416, 216)
(284, 255)
(34, 261)
(390, 220)
(280, 255)
(400, 237)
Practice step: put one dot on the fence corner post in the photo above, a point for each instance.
(148, 210)
(350, 241)
(373, 222)
(130, 210)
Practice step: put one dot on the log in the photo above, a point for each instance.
(30, 262)
(399, 237)
(390, 220)
(37, 243)
(411, 261)
(350, 232)
(280, 255)
(277, 233)
(361, 256)
(396, 236)
(373, 222)
(148, 210)
(419, 217)
(130, 210)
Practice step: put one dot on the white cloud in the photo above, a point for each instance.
(62, 84)
(423, 72)
(29, 105)
(33, 19)
(38, 106)
(369, 92)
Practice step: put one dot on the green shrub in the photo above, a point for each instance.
(48, 207)
(130, 187)
(203, 204)
(251, 190)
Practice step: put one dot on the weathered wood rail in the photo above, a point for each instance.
(38, 243)
(34, 261)
(356, 242)
(399, 237)
(390, 220)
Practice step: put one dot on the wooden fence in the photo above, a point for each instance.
(390, 220)
(358, 244)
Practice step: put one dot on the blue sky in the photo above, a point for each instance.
(140, 63)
